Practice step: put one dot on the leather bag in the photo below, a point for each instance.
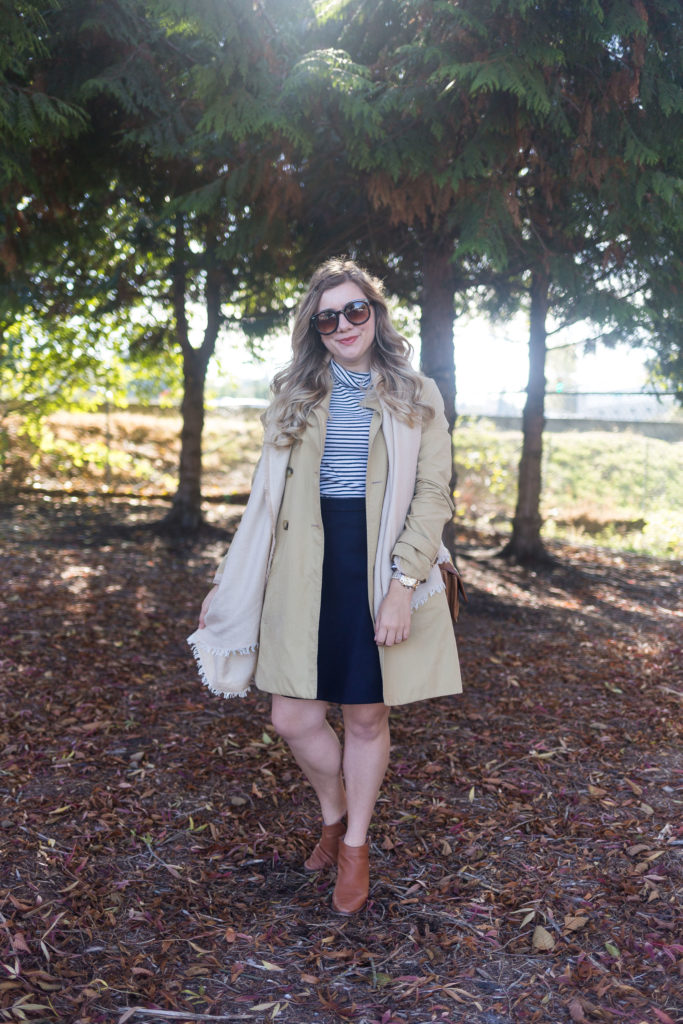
(455, 588)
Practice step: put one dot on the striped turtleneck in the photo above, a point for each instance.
(345, 458)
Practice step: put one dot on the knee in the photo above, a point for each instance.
(366, 722)
(284, 721)
(289, 719)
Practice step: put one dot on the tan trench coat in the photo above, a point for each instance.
(424, 665)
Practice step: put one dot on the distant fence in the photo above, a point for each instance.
(664, 430)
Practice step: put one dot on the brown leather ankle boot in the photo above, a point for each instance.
(353, 878)
(325, 853)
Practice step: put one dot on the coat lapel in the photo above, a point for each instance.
(372, 402)
(319, 417)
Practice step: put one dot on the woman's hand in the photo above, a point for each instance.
(393, 618)
(205, 606)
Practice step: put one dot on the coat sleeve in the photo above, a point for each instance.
(416, 549)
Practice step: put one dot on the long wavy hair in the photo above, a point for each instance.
(304, 382)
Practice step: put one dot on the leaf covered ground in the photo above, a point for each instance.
(527, 851)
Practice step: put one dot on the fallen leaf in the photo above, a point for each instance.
(576, 1011)
(270, 966)
(542, 939)
(451, 883)
(573, 923)
(662, 1016)
(19, 943)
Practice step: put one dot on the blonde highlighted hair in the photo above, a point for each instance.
(304, 382)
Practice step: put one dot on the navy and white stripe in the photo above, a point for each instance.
(345, 458)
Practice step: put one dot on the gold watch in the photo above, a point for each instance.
(410, 582)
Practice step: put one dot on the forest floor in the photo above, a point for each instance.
(527, 850)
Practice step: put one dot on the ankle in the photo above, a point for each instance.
(333, 819)
(351, 839)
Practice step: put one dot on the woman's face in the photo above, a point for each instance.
(349, 345)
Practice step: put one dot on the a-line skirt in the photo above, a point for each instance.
(348, 660)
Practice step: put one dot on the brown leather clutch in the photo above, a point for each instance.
(455, 588)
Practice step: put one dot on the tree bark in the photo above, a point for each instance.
(185, 515)
(525, 545)
(437, 357)
(437, 316)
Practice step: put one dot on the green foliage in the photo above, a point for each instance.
(169, 91)
(174, 195)
(485, 463)
(107, 449)
(207, 154)
(27, 112)
(78, 365)
(523, 131)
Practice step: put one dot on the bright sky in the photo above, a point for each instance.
(495, 358)
(489, 359)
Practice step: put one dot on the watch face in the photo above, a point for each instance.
(406, 581)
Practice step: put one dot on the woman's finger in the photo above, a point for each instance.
(388, 636)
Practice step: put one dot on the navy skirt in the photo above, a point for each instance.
(348, 660)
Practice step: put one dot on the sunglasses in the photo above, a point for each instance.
(356, 313)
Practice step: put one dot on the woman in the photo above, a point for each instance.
(330, 592)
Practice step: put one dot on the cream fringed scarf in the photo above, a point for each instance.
(226, 648)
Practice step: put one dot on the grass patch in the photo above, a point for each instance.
(617, 489)
(138, 452)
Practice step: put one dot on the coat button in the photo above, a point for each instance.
(285, 524)
(289, 470)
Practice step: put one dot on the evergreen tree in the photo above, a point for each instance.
(535, 142)
(28, 112)
(170, 195)
(590, 184)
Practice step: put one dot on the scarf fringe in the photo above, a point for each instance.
(227, 694)
(425, 597)
(223, 694)
(222, 652)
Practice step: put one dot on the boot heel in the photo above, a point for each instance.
(325, 852)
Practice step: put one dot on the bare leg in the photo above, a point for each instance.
(366, 756)
(314, 744)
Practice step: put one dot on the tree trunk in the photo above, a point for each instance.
(525, 545)
(437, 357)
(185, 515)
(437, 315)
